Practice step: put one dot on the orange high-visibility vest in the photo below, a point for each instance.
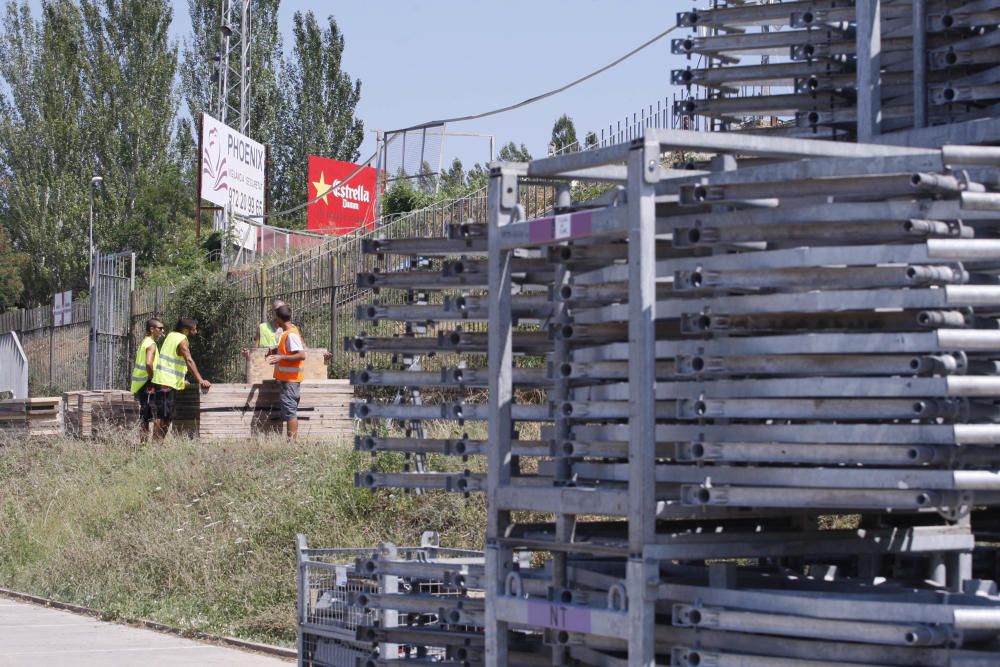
(289, 371)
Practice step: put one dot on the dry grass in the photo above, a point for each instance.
(194, 534)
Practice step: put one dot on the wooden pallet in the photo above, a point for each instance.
(84, 411)
(229, 411)
(32, 416)
(258, 370)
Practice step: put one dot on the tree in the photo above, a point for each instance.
(510, 152)
(402, 197)
(453, 180)
(564, 135)
(319, 111)
(43, 137)
(11, 263)
(199, 90)
(129, 66)
(590, 141)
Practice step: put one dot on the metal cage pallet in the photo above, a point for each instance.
(389, 604)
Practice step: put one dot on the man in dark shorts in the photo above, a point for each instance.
(289, 360)
(171, 371)
(143, 369)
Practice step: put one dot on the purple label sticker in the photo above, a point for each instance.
(559, 616)
(560, 228)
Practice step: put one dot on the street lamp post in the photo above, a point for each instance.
(92, 280)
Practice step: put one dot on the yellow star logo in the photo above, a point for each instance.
(322, 187)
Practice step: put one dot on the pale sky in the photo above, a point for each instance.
(425, 60)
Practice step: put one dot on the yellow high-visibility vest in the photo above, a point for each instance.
(170, 367)
(139, 373)
(267, 337)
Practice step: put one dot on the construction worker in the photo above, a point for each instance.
(289, 361)
(267, 334)
(171, 371)
(143, 369)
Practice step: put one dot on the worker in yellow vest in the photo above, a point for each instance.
(289, 361)
(267, 333)
(143, 369)
(171, 372)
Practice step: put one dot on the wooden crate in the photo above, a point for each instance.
(258, 370)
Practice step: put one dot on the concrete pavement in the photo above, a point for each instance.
(33, 635)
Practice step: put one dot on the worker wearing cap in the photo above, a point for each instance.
(267, 333)
(289, 361)
(171, 372)
(143, 369)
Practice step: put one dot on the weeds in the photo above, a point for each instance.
(195, 534)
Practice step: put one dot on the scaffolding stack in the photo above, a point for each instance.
(814, 67)
(774, 411)
(740, 416)
(430, 309)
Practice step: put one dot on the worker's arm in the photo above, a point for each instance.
(294, 341)
(150, 356)
(186, 353)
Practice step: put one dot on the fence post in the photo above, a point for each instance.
(52, 348)
(333, 314)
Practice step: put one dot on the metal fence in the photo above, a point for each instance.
(111, 310)
(320, 284)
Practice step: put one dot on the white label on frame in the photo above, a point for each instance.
(341, 572)
(564, 226)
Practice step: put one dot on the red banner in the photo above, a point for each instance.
(344, 208)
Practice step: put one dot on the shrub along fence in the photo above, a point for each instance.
(320, 285)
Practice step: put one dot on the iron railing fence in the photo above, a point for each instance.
(320, 284)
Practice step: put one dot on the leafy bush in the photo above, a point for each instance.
(402, 197)
(224, 317)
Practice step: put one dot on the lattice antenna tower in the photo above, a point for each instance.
(232, 66)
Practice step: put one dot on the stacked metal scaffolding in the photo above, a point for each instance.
(773, 410)
(840, 69)
(430, 309)
(745, 415)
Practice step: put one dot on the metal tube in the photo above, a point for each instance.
(919, 21)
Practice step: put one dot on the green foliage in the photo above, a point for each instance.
(43, 140)
(511, 152)
(216, 303)
(564, 135)
(194, 534)
(11, 264)
(89, 90)
(402, 197)
(590, 141)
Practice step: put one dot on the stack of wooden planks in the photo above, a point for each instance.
(229, 411)
(32, 416)
(85, 411)
(258, 370)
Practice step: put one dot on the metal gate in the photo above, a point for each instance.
(110, 357)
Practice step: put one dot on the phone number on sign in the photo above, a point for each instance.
(245, 204)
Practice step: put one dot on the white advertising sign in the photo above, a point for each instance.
(232, 168)
(62, 309)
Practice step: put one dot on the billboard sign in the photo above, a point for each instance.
(232, 168)
(344, 207)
